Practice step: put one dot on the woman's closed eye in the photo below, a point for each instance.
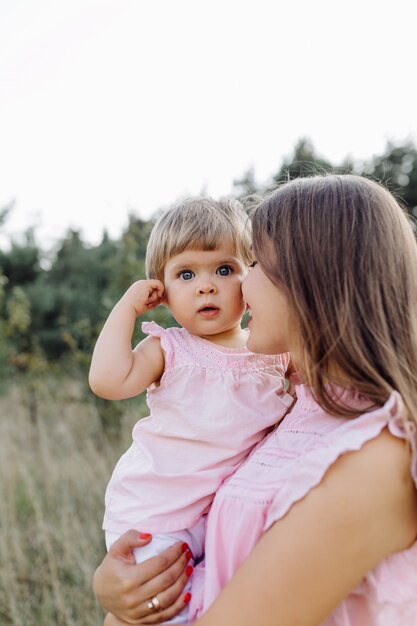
(224, 270)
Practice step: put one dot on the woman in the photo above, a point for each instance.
(319, 524)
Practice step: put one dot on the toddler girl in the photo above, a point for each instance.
(210, 399)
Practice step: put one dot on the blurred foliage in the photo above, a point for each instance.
(54, 303)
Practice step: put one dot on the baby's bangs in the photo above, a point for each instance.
(196, 237)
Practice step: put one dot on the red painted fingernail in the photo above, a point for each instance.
(189, 570)
(187, 597)
(184, 547)
(188, 554)
(144, 535)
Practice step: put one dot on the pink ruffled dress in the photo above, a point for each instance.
(280, 471)
(212, 406)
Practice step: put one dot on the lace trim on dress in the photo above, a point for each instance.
(314, 466)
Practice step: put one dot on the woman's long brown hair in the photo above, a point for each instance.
(345, 253)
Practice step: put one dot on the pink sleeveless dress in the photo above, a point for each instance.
(212, 406)
(280, 471)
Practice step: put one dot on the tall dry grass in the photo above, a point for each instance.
(53, 475)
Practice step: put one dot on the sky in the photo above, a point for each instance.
(116, 106)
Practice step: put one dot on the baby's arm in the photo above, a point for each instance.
(117, 371)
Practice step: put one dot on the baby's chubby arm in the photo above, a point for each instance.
(117, 371)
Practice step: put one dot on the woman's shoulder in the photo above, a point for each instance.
(349, 523)
(377, 481)
(373, 453)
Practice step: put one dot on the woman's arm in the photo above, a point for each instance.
(117, 371)
(124, 587)
(308, 562)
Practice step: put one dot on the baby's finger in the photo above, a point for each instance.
(154, 299)
(158, 287)
(153, 305)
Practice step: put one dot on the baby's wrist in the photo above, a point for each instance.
(127, 303)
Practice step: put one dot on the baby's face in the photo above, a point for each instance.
(203, 290)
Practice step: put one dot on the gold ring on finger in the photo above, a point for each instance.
(156, 603)
(153, 604)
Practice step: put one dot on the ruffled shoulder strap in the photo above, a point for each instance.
(312, 460)
(154, 330)
(404, 428)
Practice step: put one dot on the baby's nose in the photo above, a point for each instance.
(207, 287)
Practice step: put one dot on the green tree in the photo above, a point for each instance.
(70, 297)
(246, 185)
(305, 162)
(20, 350)
(129, 266)
(397, 169)
(21, 263)
(19, 269)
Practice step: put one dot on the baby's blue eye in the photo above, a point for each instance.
(224, 270)
(186, 274)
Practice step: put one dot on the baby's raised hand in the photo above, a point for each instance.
(144, 295)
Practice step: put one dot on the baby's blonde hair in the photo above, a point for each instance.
(198, 224)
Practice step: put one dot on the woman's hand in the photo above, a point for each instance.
(125, 588)
(111, 620)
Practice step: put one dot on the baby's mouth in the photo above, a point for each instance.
(208, 307)
(208, 310)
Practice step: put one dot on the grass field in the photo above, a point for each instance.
(53, 475)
